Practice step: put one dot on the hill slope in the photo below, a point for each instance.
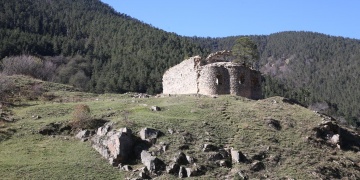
(292, 149)
(309, 67)
(97, 49)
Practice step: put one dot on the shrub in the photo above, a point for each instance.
(6, 87)
(81, 117)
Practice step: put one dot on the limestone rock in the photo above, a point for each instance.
(151, 162)
(103, 130)
(116, 146)
(126, 168)
(182, 172)
(155, 108)
(150, 135)
(242, 175)
(257, 166)
(335, 139)
(237, 156)
(189, 172)
(83, 135)
(224, 163)
(190, 159)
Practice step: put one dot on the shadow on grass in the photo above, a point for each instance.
(6, 134)
(349, 141)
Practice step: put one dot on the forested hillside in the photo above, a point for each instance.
(309, 67)
(87, 44)
(91, 44)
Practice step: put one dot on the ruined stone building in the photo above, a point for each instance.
(214, 75)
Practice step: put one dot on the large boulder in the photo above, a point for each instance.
(115, 145)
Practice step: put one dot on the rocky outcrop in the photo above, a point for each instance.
(114, 145)
(119, 147)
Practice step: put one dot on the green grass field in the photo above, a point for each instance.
(226, 121)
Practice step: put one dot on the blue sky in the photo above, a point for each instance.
(221, 18)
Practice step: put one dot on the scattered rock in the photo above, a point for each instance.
(209, 147)
(275, 124)
(83, 135)
(36, 117)
(181, 159)
(189, 172)
(150, 135)
(151, 162)
(335, 139)
(274, 159)
(190, 159)
(139, 95)
(257, 166)
(155, 108)
(171, 131)
(126, 168)
(259, 156)
(224, 163)
(173, 168)
(182, 172)
(237, 156)
(241, 175)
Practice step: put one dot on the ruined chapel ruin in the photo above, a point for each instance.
(214, 75)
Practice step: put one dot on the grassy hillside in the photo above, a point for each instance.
(225, 121)
(89, 45)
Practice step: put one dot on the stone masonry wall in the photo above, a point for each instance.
(228, 78)
(194, 76)
(181, 79)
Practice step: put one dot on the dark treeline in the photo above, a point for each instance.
(89, 45)
(308, 67)
(115, 52)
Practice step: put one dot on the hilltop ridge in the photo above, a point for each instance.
(288, 139)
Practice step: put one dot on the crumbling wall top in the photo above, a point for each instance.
(219, 56)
